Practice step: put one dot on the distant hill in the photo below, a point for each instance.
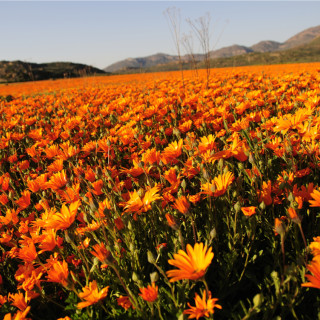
(302, 37)
(266, 46)
(138, 63)
(309, 52)
(163, 62)
(230, 51)
(17, 71)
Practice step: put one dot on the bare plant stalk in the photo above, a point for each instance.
(188, 46)
(173, 16)
(201, 28)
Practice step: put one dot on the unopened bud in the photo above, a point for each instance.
(151, 258)
(237, 207)
(154, 277)
(184, 184)
(135, 277)
(213, 233)
(262, 206)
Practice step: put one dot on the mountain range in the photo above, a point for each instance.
(162, 59)
(302, 47)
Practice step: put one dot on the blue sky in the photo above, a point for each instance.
(100, 33)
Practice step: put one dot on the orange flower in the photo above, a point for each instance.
(101, 252)
(125, 302)
(314, 268)
(171, 221)
(316, 199)
(172, 152)
(315, 246)
(58, 272)
(207, 143)
(248, 211)
(64, 219)
(150, 196)
(208, 188)
(47, 241)
(265, 193)
(28, 252)
(218, 186)
(24, 201)
(91, 295)
(56, 166)
(33, 185)
(97, 186)
(20, 315)
(3, 199)
(222, 182)
(279, 226)
(150, 293)
(294, 216)
(3, 299)
(204, 307)
(182, 204)
(134, 204)
(69, 195)
(137, 205)
(18, 300)
(11, 216)
(57, 181)
(192, 265)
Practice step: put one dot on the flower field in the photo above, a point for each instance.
(152, 196)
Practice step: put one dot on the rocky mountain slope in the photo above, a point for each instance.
(162, 59)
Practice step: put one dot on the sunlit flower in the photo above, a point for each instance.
(248, 211)
(58, 272)
(28, 252)
(64, 219)
(182, 205)
(294, 216)
(57, 181)
(101, 252)
(222, 182)
(172, 152)
(125, 302)
(91, 295)
(265, 193)
(150, 293)
(24, 201)
(314, 279)
(19, 315)
(18, 300)
(315, 202)
(204, 307)
(191, 265)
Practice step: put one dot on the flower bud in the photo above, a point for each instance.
(135, 277)
(262, 206)
(151, 258)
(237, 207)
(154, 277)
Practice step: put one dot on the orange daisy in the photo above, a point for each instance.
(314, 280)
(248, 211)
(150, 293)
(315, 202)
(91, 295)
(203, 308)
(192, 264)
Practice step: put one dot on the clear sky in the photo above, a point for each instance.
(99, 33)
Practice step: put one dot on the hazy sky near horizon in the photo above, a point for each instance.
(100, 33)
